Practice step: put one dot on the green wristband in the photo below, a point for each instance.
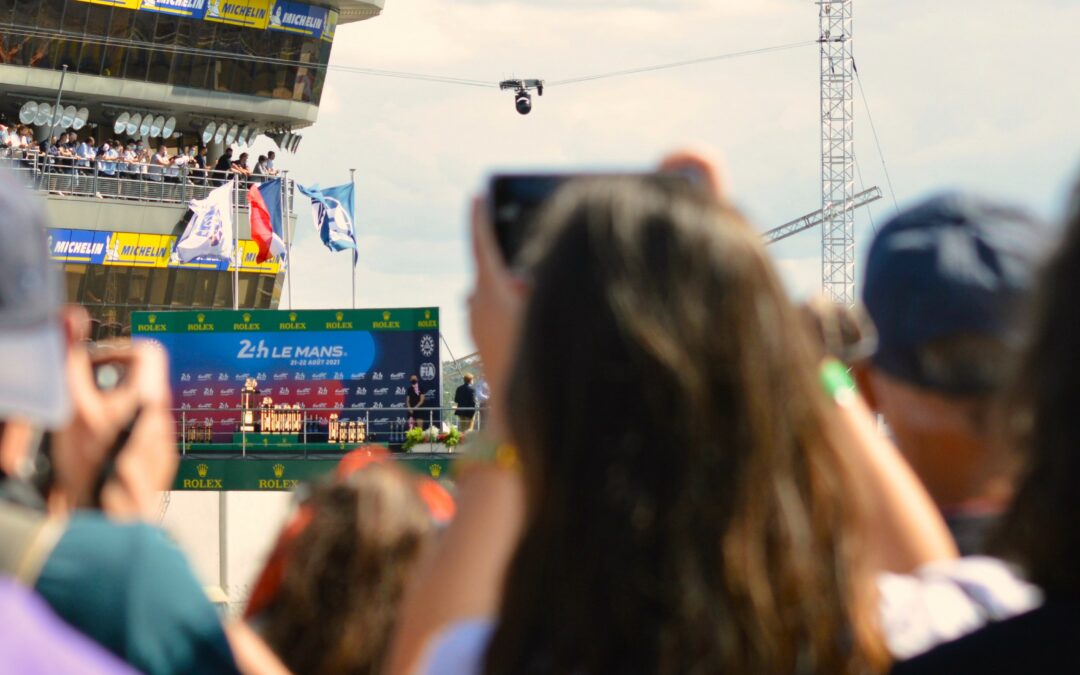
(836, 380)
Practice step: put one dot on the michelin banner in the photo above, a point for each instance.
(321, 360)
(130, 249)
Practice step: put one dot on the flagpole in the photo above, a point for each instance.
(236, 244)
(288, 234)
(352, 180)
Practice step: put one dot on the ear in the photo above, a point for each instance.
(862, 373)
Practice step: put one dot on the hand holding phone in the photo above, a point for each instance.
(119, 449)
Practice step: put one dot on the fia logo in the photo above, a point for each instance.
(427, 371)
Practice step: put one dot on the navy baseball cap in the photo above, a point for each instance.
(952, 266)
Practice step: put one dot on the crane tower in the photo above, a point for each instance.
(837, 152)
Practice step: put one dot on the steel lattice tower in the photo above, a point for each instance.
(837, 152)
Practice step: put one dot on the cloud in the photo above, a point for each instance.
(987, 107)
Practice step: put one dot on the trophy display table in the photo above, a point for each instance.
(255, 439)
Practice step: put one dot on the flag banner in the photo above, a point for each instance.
(264, 208)
(209, 233)
(332, 212)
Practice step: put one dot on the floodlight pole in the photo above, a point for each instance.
(352, 181)
(288, 235)
(837, 152)
(56, 108)
(236, 244)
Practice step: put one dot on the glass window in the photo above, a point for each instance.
(266, 291)
(73, 276)
(7, 10)
(139, 287)
(116, 285)
(97, 26)
(161, 58)
(205, 280)
(94, 287)
(223, 295)
(75, 17)
(159, 282)
(247, 290)
(138, 60)
(182, 288)
(115, 55)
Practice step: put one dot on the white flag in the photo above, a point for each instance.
(209, 233)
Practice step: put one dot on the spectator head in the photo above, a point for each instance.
(262, 158)
(413, 379)
(947, 284)
(90, 141)
(733, 551)
(468, 378)
(32, 338)
(243, 157)
(328, 598)
(1037, 532)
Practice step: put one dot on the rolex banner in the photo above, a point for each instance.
(315, 360)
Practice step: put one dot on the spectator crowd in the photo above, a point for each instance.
(745, 486)
(131, 160)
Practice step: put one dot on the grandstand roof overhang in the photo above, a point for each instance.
(357, 10)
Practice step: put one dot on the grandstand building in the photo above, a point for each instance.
(146, 73)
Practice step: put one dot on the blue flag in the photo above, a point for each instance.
(333, 213)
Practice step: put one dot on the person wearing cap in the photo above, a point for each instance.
(947, 285)
(67, 444)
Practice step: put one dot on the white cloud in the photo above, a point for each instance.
(981, 98)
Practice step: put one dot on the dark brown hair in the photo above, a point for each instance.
(1040, 529)
(346, 573)
(688, 508)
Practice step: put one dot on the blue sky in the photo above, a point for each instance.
(979, 96)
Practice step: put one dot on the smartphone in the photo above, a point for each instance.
(515, 199)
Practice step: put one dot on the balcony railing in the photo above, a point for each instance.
(120, 180)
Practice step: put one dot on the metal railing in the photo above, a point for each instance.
(215, 429)
(119, 179)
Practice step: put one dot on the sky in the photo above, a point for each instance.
(975, 96)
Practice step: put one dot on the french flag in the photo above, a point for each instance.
(264, 205)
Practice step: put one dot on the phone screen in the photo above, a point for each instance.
(515, 199)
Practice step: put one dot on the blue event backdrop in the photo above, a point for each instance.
(320, 359)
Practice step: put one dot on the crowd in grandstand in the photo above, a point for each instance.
(772, 490)
(130, 160)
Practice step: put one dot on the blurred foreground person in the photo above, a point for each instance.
(1040, 532)
(328, 599)
(65, 441)
(713, 521)
(947, 285)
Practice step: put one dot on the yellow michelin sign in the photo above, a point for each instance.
(250, 13)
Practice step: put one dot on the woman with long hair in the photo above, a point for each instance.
(686, 500)
(327, 600)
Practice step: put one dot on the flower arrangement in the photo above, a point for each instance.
(449, 436)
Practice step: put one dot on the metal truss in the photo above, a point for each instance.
(837, 152)
(814, 219)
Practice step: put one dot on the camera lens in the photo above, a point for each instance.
(107, 376)
(523, 103)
